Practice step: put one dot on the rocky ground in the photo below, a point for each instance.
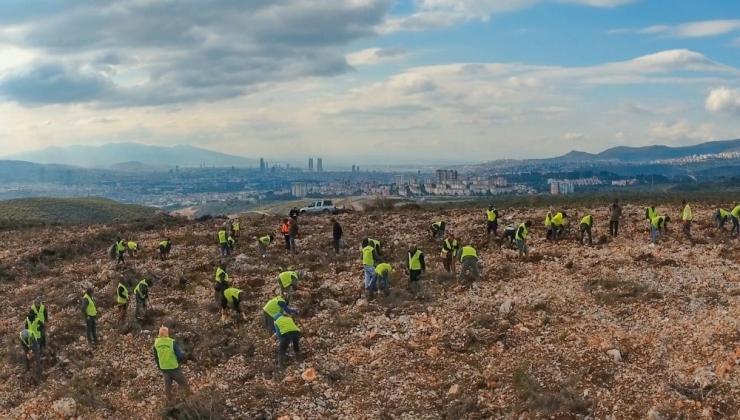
(619, 330)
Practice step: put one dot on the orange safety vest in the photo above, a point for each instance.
(285, 228)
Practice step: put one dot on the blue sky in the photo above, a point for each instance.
(462, 80)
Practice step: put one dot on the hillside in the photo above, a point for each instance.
(116, 153)
(617, 330)
(71, 210)
(647, 153)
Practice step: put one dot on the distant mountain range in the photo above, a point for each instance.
(111, 154)
(648, 153)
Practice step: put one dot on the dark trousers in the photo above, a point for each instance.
(614, 227)
(225, 304)
(268, 322)
(287, 241)
(492, 227)
(164, 252)
(42, 342)
(35, 349)
(140, 304)
(414, 275)
(120, 258)
(335, 245)
(291, 240)
(687, 228)
(586, 229)
(92, 333)
(447, 261)
(225, 249)
(285, 340)
(735, 225)
(510, 236)
(219, 291)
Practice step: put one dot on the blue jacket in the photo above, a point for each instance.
(284, 306)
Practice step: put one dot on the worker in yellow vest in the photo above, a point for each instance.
(164, 249)
(376, 244)
(233, 296)
(132, 247)
(221, 281)
(263, 242)
(548, 224)
(370, 259)
(586, 225)
(558, 225)
(223, 241)
(42, 314)
(735, 217)
(288, 281)
(122, 300)
(438, 229)
(520, 238)
(273, 307)
(33, 324)
(141, 294)
(169, 357)
(658, 225)
(91, 315)
(416, 265)
(721, 216)
(287, 332)
(120, 250)
(236, 229)
(687, 216)
(492, 221)
(232, 243)
(469, 260)
(31, 350)
(650, 214)
(450, 249)
(383, 278)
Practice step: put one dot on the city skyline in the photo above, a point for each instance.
(472, 80)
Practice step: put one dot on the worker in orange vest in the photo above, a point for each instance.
(285, 230)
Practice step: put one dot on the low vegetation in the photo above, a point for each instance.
(30, 211)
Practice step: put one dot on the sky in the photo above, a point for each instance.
(444, 80)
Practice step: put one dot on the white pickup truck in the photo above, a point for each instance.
(320, 207)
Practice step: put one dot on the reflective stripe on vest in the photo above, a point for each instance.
(123, 288)
(90, 310)
(273, 306)
(165, 348)
(286, 324)
(468, 251)
(414, 261)
(286, 278)
(222, 236)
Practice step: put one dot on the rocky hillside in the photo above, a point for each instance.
(620, 330)
(70, 210)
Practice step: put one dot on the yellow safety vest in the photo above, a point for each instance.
(40, 312)
(286, 325)
(383, 269)
(90, 310)
(736, 212)
(265, 240)
(557, 220)
(548, 219)
(524, 232)
(232, 294)
(120, 246)
(588, 220)
(218, 275)
(658, 221)
(414, 261)
(132, 246)
(124, 299)
(650, 212)
(33, 327)
(273, 306)
(286, 278)
(222, 236)
(165, 348)
(687, 215)
(491, 215)
(367, 255)
(468, 251)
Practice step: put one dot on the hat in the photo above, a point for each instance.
(24, 334)
(164, 331)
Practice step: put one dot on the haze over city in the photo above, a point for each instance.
(466, 80)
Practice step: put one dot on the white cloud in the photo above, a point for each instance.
(724, 100)
(689, 30)
(375, 56)
(436, 14)
(574, 136)
(681, 132)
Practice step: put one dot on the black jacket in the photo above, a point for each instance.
(337, 231)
